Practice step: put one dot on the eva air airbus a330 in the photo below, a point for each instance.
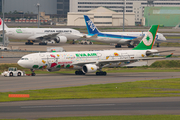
(92, 61)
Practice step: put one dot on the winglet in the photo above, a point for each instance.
(90, 26)
(169, 55)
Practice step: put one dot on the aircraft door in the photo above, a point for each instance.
(35, 59)
(52, 60)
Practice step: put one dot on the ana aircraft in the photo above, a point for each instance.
(91, 61)
(41, 35)
(119, 38)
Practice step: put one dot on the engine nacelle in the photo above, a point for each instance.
(61, 39)
(89, 68)
(53, 69)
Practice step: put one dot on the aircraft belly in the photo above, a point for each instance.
(106, 39)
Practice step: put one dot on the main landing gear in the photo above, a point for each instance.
(101, 73)
(131, 46)
(158, 45)
(43, 43)
(33, 74)
(117, 46)
(29, 42)
(79, 72)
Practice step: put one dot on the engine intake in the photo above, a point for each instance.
(60, 39)
(89, 68)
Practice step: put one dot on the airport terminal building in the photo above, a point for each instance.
(135, 6)
(62, 7)
(101, 16)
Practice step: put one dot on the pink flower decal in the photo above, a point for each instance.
(52, 56)
(53, 64)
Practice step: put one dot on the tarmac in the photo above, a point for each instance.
(83, 107)
(43, 81)
(89, 107)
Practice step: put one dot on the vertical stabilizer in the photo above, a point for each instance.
(148, 40)
(90, 26)
(1, 24)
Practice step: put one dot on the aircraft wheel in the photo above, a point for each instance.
(101, 73)
(28, 43)
(118, 46)
(19, 74)
(11, 74)
(33, 74)
(79, 73)
(42, 43)
(104, 73)
(158, 45)
(130, 46)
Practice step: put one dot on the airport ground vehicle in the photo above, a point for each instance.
(12, 71)
(3, 48)
(85, 42)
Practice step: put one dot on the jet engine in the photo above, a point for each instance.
(60, 39)
(89, 68)
(53, 69)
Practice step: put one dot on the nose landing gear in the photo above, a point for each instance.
(33, 73)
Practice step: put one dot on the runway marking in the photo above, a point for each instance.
(24, 107)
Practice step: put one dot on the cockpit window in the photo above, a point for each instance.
(24, 58)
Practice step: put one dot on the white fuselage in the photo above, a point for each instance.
(116, 37)
(75, 60)
(34, 33)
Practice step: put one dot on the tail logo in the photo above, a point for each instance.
(91, 25)
(148, 39)
(0, 21)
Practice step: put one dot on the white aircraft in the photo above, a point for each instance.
(91, 61)
(119, 38)
(41, 35)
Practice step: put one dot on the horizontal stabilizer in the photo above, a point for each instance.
(90, 38)
(149, 52)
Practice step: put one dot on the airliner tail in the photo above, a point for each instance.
(1, 24)
(90, 26)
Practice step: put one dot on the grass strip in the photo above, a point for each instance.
(122, 117)
(148, 88)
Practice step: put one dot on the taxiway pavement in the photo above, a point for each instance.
(90, 107)
(42, 81)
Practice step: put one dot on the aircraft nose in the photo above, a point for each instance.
(21, 63)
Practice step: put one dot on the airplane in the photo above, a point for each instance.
(119, 38)
(41, 35)
(91, 61)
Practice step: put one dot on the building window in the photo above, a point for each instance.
(102, 22)
(102, 16)
(129, 11)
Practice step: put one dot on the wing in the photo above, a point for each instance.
(48, 36)
(1, 31)
(114, 61)
(45, 36)
(135, 40)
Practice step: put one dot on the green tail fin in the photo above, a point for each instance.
(148, 40)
